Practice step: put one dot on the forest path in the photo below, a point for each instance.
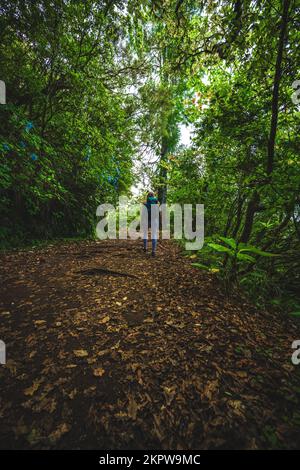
(110, 348)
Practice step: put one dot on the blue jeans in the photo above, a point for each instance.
(154, 243)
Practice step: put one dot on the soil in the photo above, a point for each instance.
(110, 348)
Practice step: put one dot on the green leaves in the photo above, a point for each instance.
(201, 266)
(243, 257)
(230, 241)
(229, 261)
(72, 124)
(221, 248)
(295, 314)
(257, 251)
(238, 249)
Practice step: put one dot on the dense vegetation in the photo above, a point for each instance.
(95, 89)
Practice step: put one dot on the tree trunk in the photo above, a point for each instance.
(251, 209)
(162, 189)
(276, 83)
(253, 204)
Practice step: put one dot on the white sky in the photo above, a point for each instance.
(185, 139)
(186, 135)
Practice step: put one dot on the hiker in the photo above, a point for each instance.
(150, 219)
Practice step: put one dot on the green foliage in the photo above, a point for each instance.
(95, 89)
(229, 261)
(67, 137)
(295, 314)
(231, 58)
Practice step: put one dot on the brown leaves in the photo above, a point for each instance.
(210, 390)
(237, 407)
(241, 374)
(62, 429)
(11, 365)
(104, 320)
(72, 394)
(103, 352)
(40, 322)
(5, 313)
(167, 353)
(45, 404)
(170, 393)
(139, 376)
(132, 408)
(31, 390)
(80, 353)
(98, 372)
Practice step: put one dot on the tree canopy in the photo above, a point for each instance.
(96, 88)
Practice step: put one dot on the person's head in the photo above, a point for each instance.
(150, 194)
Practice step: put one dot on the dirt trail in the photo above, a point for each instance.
(109, 348)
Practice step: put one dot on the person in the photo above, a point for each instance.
(151, 220)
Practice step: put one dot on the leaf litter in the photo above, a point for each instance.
(155, 357)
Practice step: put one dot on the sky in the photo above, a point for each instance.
(186, 135)
(185, 139)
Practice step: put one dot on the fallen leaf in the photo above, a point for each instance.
(132, 408)
(11, 365)
(7, 313)
(98, 372)
(169, 394)
(210, 389)
(80, 353)
(139, 376)
(105, 319)
(59, 432)
(31, 390)
(72, 394)
(103, 352)
(237, 407)
(242, 374)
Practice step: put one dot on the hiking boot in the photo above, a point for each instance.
(153, 254)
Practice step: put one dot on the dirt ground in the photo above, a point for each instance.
(110, 348)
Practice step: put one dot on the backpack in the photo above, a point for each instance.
(151, 200)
